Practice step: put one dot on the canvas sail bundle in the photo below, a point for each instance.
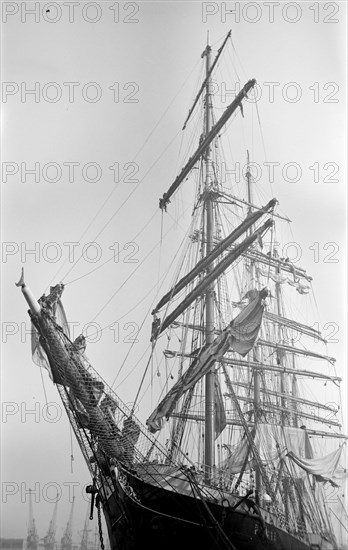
(274, 443)
(38, 353)
(324, 468)
(239, 336)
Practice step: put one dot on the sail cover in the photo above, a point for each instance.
(323, 468)
(240, 336)
(220, 414)
(38, 353)
(274, 443)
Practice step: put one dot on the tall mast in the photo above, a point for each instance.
(256, 373)
(294, 390)
(209, 438)
(279, 357)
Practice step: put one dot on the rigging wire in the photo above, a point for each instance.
(44, 388)
(71, 451)
(271, 250)
(99, 331)
(131, 275)
(124, 202)
(143, 378)
(263, 142)
(160, 251)
(153, 346)
(150, 384)
(238, 58)
(125, 281)
(147, 313)
(130, 372)
(112, 257)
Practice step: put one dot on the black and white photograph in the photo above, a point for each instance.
(174, 275)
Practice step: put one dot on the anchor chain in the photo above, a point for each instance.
(97, 503)
(92, 490)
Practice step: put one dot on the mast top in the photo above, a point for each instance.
(206, 51)
(207, 48)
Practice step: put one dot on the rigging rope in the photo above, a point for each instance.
(271, 250)
(43, 385)
(143, 378)
(133, 369)
(113, 257)
(263, 142)
(136, 269)
(160, 252)
(237, 57)
(71, 451)
(124, 202)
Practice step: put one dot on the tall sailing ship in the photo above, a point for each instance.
(235, 455)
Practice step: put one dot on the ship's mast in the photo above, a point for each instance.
(280, 358)
(294, 390)
(256, 373)
(209, 296)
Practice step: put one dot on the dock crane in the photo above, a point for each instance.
(32, 540)
(50, 539)
(85, 534)
(66, 540)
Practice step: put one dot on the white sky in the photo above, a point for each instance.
(151, 58)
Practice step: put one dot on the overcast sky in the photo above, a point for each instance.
(96, 93)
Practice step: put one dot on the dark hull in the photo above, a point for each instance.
(158, 519)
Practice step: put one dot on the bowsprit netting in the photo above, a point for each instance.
(102, 422)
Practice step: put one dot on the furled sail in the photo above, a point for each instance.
(323, 468)
(240, 335)
(220, 414)
(38, 353)
(274, 443)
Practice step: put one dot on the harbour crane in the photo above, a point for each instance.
(85, 534)
(66, 540)
(32, 540)
(50, 539)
